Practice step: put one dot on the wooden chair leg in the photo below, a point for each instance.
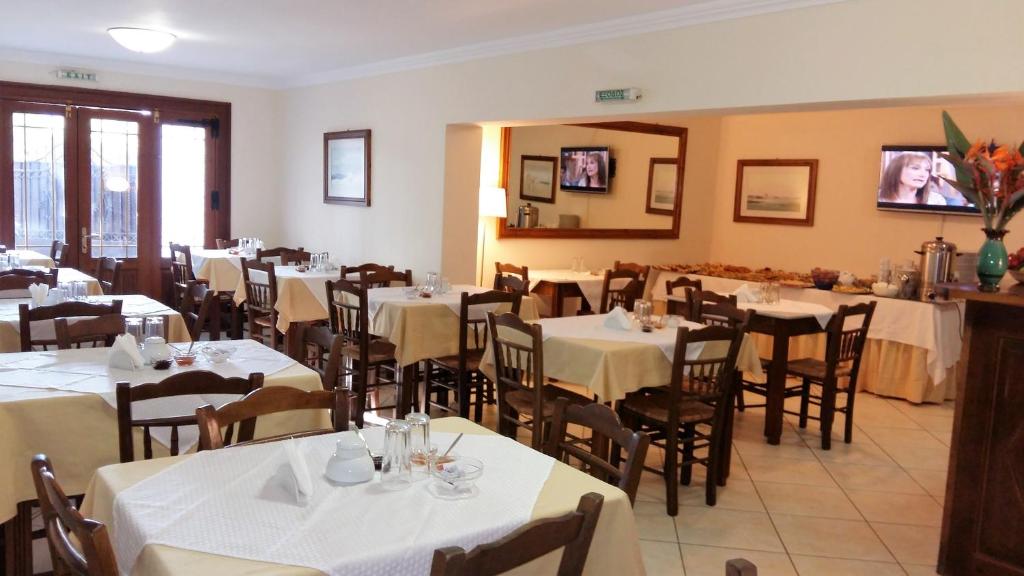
(741, 404)
(686, 474)
(671, 470)
(21, 536)
(478, 407)
(805, 402)
(828, 413)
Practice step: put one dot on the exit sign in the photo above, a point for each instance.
(76, 75)
(617, 95)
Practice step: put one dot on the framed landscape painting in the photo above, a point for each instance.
(347, 167)
(662, 188)
(537, 177)
(775, 191)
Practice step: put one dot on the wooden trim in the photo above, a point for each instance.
(812, 181)
(367, 175)
(554, 177)
(650, 186)
(608, 233)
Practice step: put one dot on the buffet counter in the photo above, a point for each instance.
(913, 347)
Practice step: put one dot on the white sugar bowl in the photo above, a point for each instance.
(155, 349)
(351, 462)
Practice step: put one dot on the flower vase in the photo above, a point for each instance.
(992, 261)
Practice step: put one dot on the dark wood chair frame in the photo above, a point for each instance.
(199, 309)
(261, 302)
(21, 279)
(628, 294)
(181, 384)
(57, 251)
(684, 309)
(223, 244)
(27, 315)
(182, 275)
(98, 332)
(573, 531)
(512, 278)
(374, 276)
(278, 252)
(108, 274)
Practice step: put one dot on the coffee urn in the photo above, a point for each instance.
(937, 265)
(529, 215)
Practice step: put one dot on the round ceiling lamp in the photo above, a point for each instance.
(142, 39)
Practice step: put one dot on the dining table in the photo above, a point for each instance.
(221, 269)
(558, 285)
(32, 258)
(221, 512)
(68, 275)
(301, 297)
(132, 305)
(62, 403)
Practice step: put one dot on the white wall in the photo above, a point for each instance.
(847, 52)
(256, 128)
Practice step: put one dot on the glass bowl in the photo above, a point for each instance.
(184, 358)
(217, 353)
(455, 476)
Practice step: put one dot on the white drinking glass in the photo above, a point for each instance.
(155, 326)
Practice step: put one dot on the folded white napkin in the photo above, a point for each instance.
(618, 319)
(293, 477)
(746, 294)
(124, 354)
(38, 293)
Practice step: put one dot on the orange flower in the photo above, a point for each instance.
(978, 149)
(1002, 159)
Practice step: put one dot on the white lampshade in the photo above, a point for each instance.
(142, 39)
(492, 202)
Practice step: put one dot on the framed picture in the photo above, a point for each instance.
(662, 188)
(775, 191)
(537, 177)
(347, 167)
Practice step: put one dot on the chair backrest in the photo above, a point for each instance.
(108, 273)
(323, 354)
(193, 382)
(845, 345)
(98, 332)
(181, 272)
(518, 363)
(608, 436)
(384, 278)
(688, 287)
(18, 280)
(223, 244)
(612, 295)
(709, 377)
(712, 308)
(260, 289)
(266, 401)
(348, 306)
(295, 257)
(278, 253)
(90, 552)
(57, 251)
(512, 278)
(573, 531)
(473, 331)
(26, 316)
(197, 315)
(368, 267)
(681, 282)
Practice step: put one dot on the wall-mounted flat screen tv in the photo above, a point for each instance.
(585, 169)
(910, 180)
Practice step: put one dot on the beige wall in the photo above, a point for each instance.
(256, 128)
(624, 206)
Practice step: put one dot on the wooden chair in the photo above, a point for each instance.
(260, 300)
(295, 257)
(460, 373)
(712, 308)
(223, 244)
(523, 398)
(58, 250)
(608, 438)
(182, 276)
(697, 398)
(78, 545)
(276, 254)
(263, 402)
(14, 283)
(512, 278)
(98, 332)
(348, 306)
(843, 352)
(108, 274)
(573, 531)
(26, 316)
(684, 309)
(324, 355)
(182, 384)
(625, 295)
(368, 267)
(380, 278)
(199, 308)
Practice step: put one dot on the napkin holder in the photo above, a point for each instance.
(293, 476)
(124, 354)
(39, 293)
(617, 319)
(744, 294)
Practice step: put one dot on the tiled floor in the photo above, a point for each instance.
(872, 507)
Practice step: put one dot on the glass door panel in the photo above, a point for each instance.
(114, 185)
(183, 185)
(39, 180)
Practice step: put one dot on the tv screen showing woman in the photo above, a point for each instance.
(913, 178)
(584, 169)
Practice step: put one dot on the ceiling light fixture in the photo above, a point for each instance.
(142, 39)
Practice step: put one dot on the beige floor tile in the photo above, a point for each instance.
(730, 528)
(819, 501)
(870, 414)
(920, 510)
(879, 478)
(653, 523)
(861, 451)
(933, 481)
(787, 470)
(814, 566)
(651, 489)
(918, 570)
(850, 539)
(790, 446)
(737, 494)
(910, 544)
(912, 448)
(710, 560)
(661, 558)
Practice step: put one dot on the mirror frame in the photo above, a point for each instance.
(505, 232)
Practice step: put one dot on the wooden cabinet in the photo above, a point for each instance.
(983, 522)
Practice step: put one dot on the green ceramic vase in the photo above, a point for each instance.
(992, 261)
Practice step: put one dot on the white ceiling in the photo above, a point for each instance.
(289, 42)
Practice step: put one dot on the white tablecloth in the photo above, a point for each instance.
(33, 258)
(224, 502)
(220, 268)
(590, 284)
(399, 296)
(591, 327)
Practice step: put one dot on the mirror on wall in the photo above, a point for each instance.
(603, 180)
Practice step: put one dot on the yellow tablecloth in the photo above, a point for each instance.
(301, 296)
(65, 275)
(615, 549)
(221, 269)
(33, 258)
(78, 431)
(131, 305)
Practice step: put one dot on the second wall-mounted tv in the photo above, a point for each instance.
(585, 169)
(911, 180)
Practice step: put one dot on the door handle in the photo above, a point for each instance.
(86, 237)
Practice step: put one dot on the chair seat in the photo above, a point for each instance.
(522, 400)
(655, 407)
(814, 369)
(473, 358)
(263, 321)
(381, 351)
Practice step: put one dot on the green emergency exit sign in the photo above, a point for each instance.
(617, 95)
